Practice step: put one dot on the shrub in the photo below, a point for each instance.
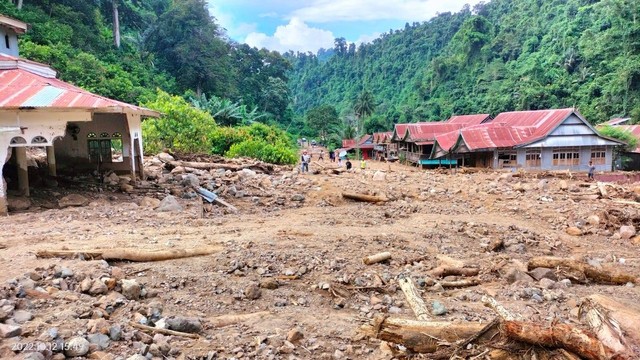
(259, 149)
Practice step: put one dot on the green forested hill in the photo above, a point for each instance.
(500, 56)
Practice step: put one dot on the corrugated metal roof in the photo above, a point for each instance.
(348, 143)
(541, 121)
(469, 119)
(428, 131)
(616, 121)
(635, 131)
(491, 136)
(22, 88)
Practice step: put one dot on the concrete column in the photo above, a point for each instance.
(4, 156)
(51, 160)
(23, 170)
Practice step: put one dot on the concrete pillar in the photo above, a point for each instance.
(4, 156)
(51, 160)
(23, 170)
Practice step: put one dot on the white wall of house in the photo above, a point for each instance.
(8, 41)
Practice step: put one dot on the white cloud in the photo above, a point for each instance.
(228, 22)
(320, 11)
(364, 38)
(296, 36)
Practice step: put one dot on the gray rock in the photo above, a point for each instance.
(547, 283)
(98, 287)
(252, 292)
(78, 346)
(169, 204)
(191, 180)
(101, 340)
(8, 331)
(73, 200)
(188, 325)
(537, 298)
(34, 356)
(18, 203)
(627, 232)
(395, 310)
(136, 357)
(164, 157)
(115, 332)
(64, 273)
(438, 309)
(131, 289)
(514, 275)
(297, 197)
(543, 273)
(22, 316)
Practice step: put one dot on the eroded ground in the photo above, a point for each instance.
(294, 249)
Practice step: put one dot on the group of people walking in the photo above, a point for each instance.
(306, 158)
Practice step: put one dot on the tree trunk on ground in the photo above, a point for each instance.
(597, 275)
(128, 254)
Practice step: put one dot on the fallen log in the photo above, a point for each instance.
(598, 275)
(163, 331)
(364, 198)
(372, 259)
(605, 328)
(231, 319)
(135, 255)
(453, 283)
(265, 168)
(442, 271)
(562, 336)
(627, 315)
(419, 336)
(414, 299)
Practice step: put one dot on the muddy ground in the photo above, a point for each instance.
(294, 249)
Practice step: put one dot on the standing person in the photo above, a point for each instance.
(332, 156)
(306, 159)
(321, 158)
(592, 169)
(348, 164)
(363, 164)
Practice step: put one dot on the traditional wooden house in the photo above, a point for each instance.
(384, 148)
(541, 139)
(78, 129)
(415, 141)
(365, 144)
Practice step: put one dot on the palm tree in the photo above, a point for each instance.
(363, 107)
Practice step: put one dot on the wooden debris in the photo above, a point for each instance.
(603, 190)
(627, 315)
(414, 299)
(263, 167)
(499, 309)
(453, 283)
(420, 336)
(563, 336)
(372, 259)
(598, 275)
(231, 319)
(136, 255)
(363, 197)
(163, 331)
(442, 271)
(606, 329)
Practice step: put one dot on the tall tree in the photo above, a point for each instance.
(363, 107)
(188, 44)
(323, 120)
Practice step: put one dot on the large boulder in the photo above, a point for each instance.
(169, 204)
(18, 203)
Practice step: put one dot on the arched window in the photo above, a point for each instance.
(116, 135)
(104, 135)
(18, 140)
(39, 140)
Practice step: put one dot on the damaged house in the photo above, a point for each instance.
(79, 130)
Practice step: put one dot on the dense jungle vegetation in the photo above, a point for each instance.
(502, 55)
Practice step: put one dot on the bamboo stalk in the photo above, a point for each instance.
(372, 259)
(163, 331)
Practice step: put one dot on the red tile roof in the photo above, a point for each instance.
(27, 84)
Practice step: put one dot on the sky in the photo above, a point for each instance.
(308, 25)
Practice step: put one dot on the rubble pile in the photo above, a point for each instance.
(289, 277)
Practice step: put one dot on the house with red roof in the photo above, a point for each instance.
(79, 130)
(630, 159)
(365, 144)
(540, 139)
(415, 141)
